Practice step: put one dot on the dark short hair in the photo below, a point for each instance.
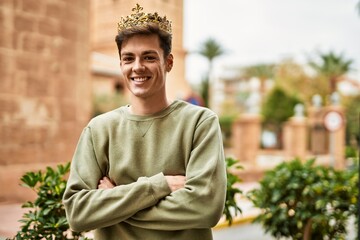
(149, 29)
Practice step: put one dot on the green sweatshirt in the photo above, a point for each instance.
(136, 152)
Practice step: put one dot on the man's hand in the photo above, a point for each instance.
(105, 183)
(175, 182)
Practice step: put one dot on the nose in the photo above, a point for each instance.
(138, 66)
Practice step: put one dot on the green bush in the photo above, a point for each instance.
(46, 218)
(352, 180)
(278, 106)
(304, 201)
(231, 208)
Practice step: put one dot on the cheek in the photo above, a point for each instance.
(124, 70)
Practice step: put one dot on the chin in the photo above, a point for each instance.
(140, 94)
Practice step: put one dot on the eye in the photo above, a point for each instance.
(150, 58)
(127, 59)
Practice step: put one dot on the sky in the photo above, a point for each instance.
(268, 31)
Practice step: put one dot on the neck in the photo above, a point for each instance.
(144, 107)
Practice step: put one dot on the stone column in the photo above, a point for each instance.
(246, 138)
(295, 135)
(318, 134)
(337, 140)
(295, 138)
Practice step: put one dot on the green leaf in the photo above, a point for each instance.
(46, 218)
(314, 192)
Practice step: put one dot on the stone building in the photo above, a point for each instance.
(49, 65)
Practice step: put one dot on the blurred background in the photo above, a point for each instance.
(253, 32)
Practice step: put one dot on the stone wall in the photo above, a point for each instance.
(45, 89)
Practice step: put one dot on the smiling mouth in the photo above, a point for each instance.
(140, 79)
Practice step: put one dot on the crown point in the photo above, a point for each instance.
(137, 8)
(139, 18)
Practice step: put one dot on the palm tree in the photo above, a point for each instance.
(210, 49)
(333, 67)
(261, 71)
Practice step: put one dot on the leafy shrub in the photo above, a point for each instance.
(303, 201)
(352, 180)
(278, 106)
(231, 208)
(46, 218)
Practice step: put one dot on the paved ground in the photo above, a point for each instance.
(246, 231)
(255, 232)
(10, 213)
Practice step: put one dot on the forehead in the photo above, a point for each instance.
(141, 43)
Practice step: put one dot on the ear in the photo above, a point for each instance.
(169, 62)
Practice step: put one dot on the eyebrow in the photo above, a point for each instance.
(143, 53)
(150, 52)
(126, 54)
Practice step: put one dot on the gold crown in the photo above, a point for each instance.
(139, 18)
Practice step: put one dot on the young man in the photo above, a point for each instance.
(154, 169)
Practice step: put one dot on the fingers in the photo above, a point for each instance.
(105, 183)
(175, 182)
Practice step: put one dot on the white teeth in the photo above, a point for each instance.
(139, 79)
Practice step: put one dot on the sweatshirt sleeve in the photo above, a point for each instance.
(88, 208)
(200, 204)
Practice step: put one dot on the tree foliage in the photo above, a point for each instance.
(210, 49)
(332, 66)
(293, 79)
(352, 115)
(262, 71)
(278, 106)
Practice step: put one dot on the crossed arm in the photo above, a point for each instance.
(159, 202)
(175, 182)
